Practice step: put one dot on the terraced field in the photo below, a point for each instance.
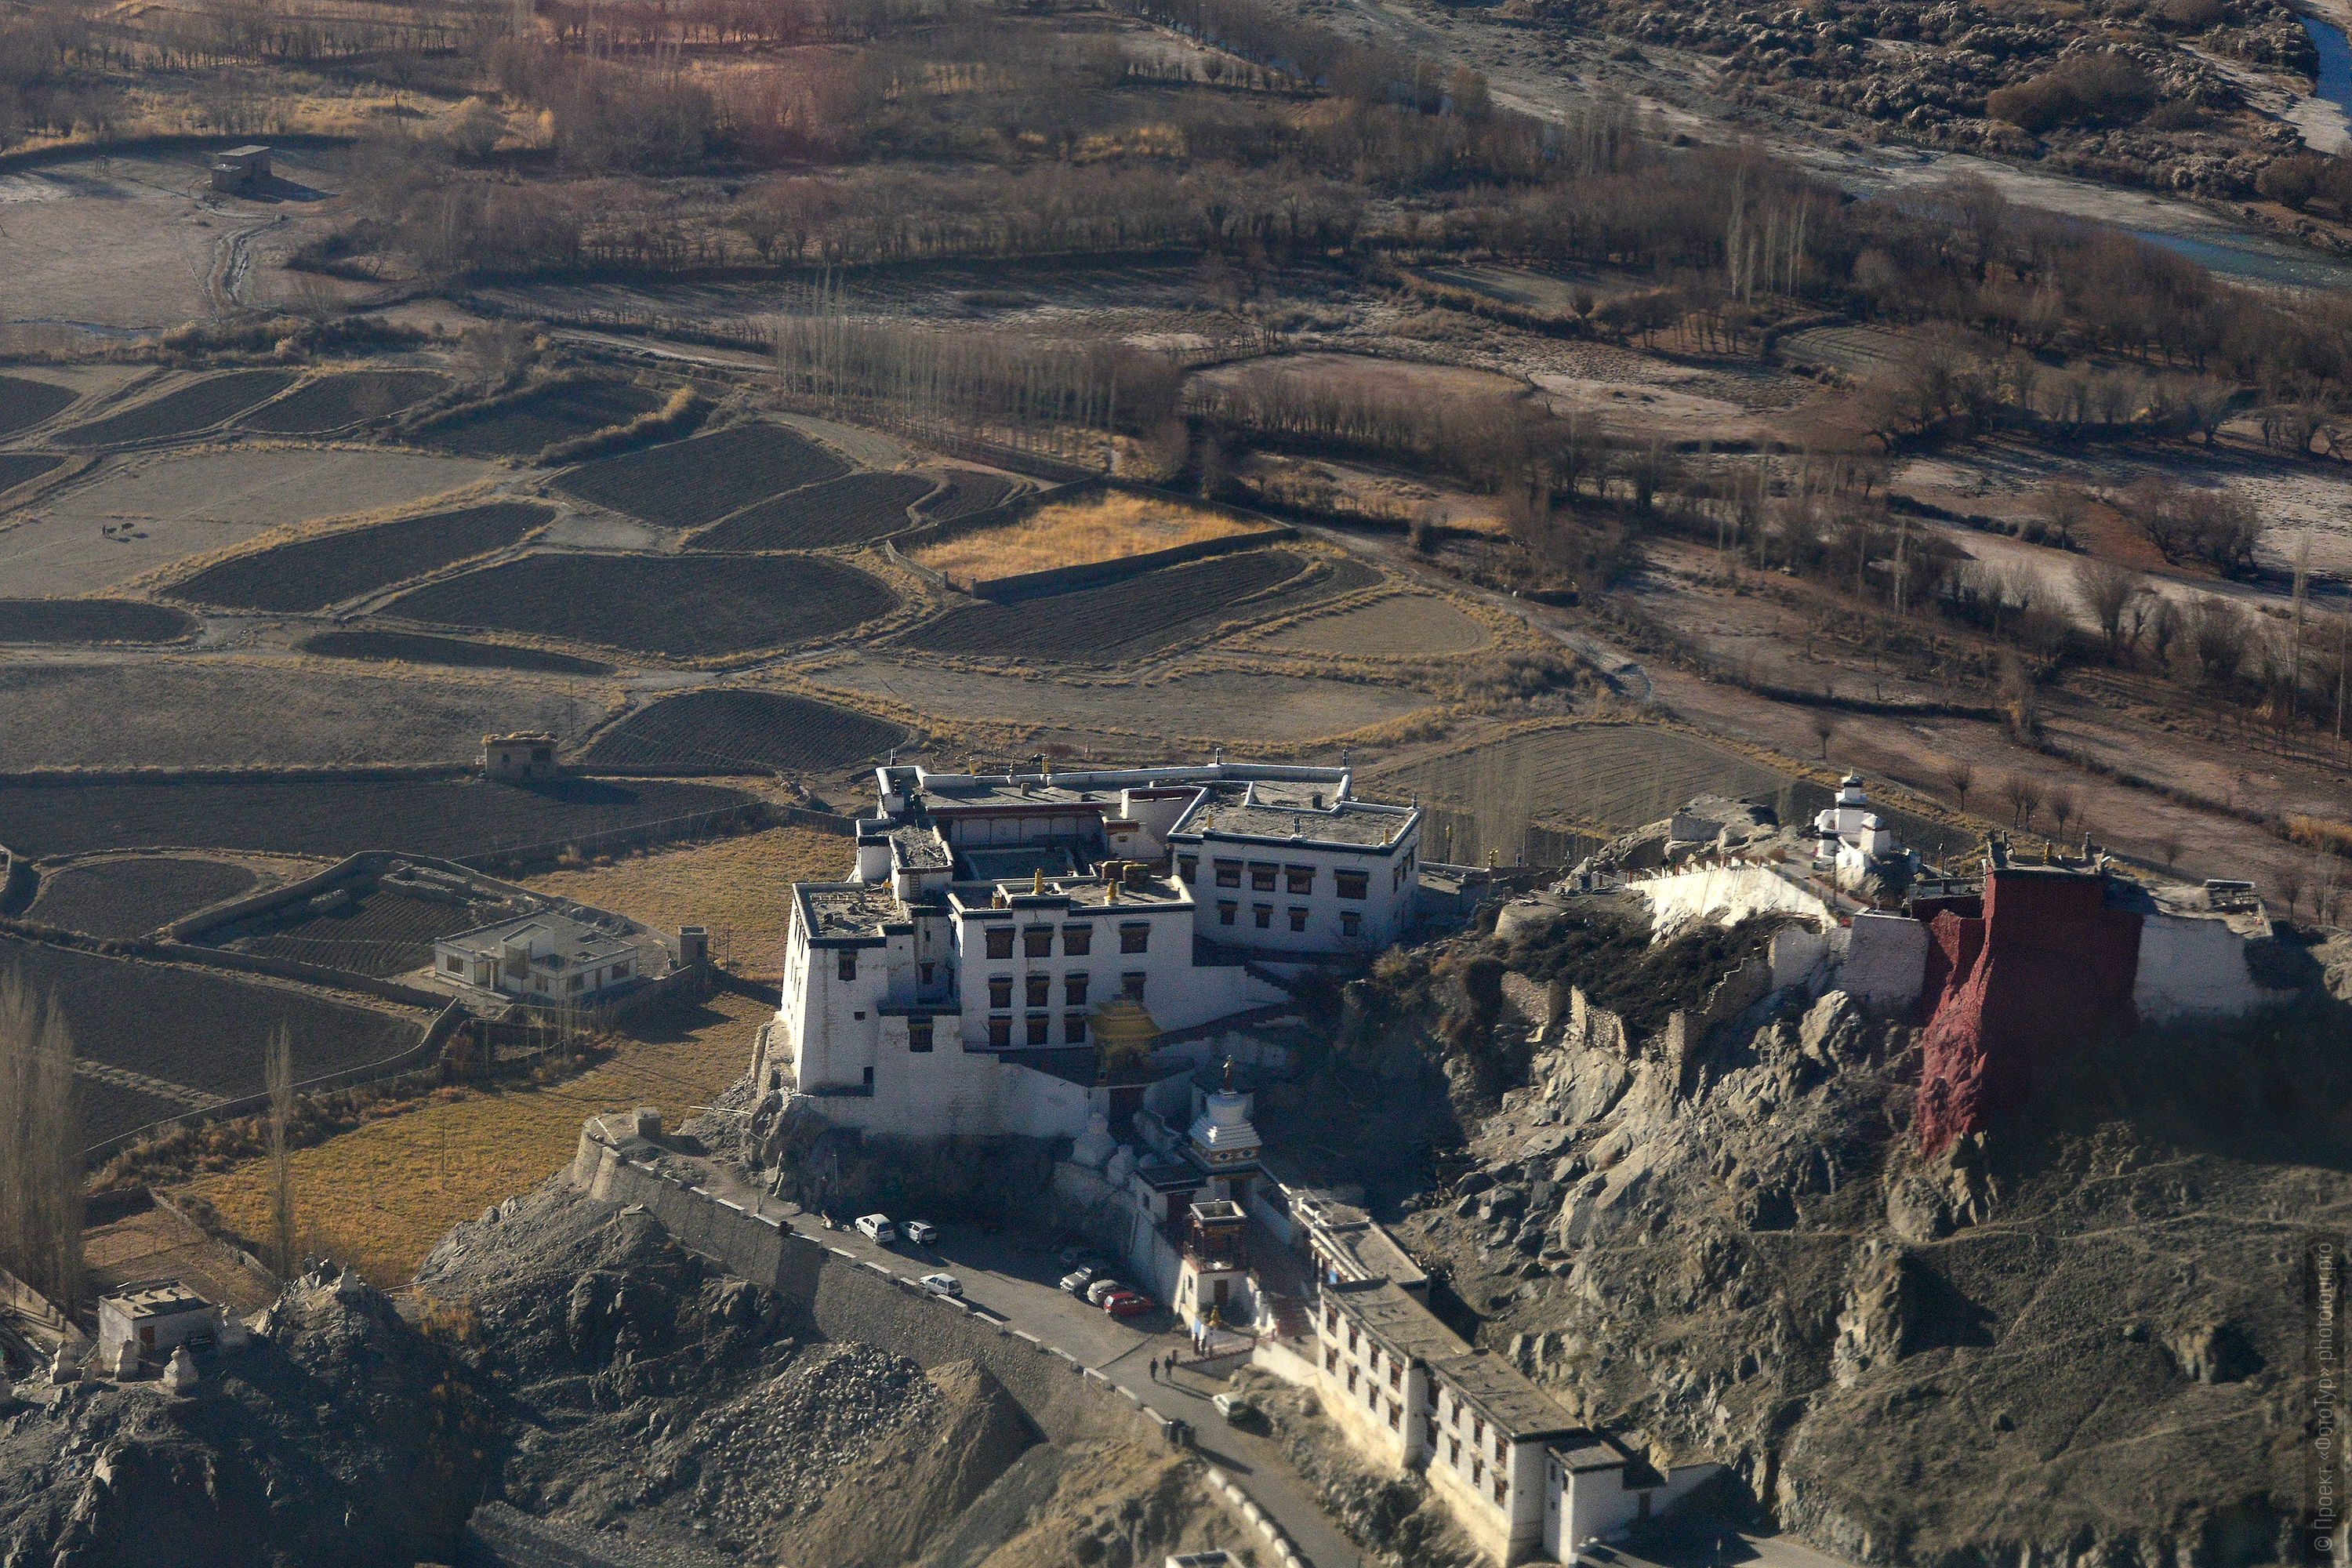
(743, 731)
(688, 607)
(381, 932)
(192, 408)
(1408, 625)
(25, 403)
(1144, 614)
(312, 573)
(213, 1048)
(411, 648)
(92, 621)
(689, 483)
(526, 426)
(968, 492)
(332, 402)
(454, 818)
(133, 896)
(1616, 776)
(855, 510)
(23, 467)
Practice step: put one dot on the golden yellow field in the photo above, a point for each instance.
(1072, 533)
(739, 888)
(379, 1198)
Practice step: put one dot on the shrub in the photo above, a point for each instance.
(2088, 89)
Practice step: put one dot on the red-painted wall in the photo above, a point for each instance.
(2049, 966)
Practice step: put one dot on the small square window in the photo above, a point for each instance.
(1454, 1451)
(846, 965)
(1351, 1380)
(457, 965)
(1074, 990)
(1226, 910)
(1502, 1488)
(1040, 990)
(1298, 878)
(999, 942)
(1229, 873)
(926, 969)
(1396, 1373)
(1262, 915)
(1353, 884)
(1262, 878)
(1074, 1028)
(999, 1032)
(1131, 986)
(1135, 937)
(621, 970)
(1037, 941)
(918, 1034)
(1331, 1359)
(1041, 1029)
(1077, 941)
(999, 991)
(1297, 919)
(1351, 923)
(1395, 1415)
(1188, 866)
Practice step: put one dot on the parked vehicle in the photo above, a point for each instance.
(1235, 1407)
(877, 1228)
(921, 1231)
(1127, 1304)
(942, 1284)
(1099, 1292)
(1077, 1279)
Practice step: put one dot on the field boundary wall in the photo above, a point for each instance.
(389, 772)
(750, 813)
(426, 1050)
(849, 1301)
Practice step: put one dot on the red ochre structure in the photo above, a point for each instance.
(2047, 964)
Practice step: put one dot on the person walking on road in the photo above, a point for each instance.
(1154, 1364)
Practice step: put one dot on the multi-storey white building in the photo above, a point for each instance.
(951, 984)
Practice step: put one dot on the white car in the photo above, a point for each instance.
(877, 1228)
(1098, 1290)
(921, 1231)
(942, 1284)
(1077, 1279)
(1233, 1407)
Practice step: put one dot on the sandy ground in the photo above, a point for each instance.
(182, 505)
(132, 243)
(1217, 706)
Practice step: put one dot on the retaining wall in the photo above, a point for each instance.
(847, 1299)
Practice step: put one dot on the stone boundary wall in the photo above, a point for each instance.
(1095, 573)
(368, 772)
(846, 1299)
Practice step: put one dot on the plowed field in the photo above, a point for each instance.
(380, 933)
(521, 429)
(24, 404)
(968, 491)
(1618, 777)
(414, 648)
(312, 573)
(455, 818)
(699, 606)
(1409, 626)
(1142, 615)
(211, 1047)
(849, 511)
(689, 483)
(92, 620)
(184, 412)
(331, 402)
(743, 731)
(133, 897)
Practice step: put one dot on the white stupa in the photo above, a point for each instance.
(1222, 1139)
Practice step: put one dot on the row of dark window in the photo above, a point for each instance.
(1351, 922)
(1077, 941)
(1297, 880)
(1037, 990)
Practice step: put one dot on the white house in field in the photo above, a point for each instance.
(952, 983)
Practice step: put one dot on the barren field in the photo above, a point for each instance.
(1221, 705)
(691, 607)
(1143, 615)
(92, 621)
(183, 505)
(855, 510)
(332, 402)
(1107, 527)
(183, 411)
(383, 1195)
(382, 933)
(1408, 625)
(1613, 777)
(1361, 374)
(731, 886)
(312, 573)
(136, 894)
(216, 713)
(211, 1049)
(452, 818)
(23, 467)
(528, 426)
(25, 403)
(738, 732)
(968, 492)
(689, 483)
(409, 648)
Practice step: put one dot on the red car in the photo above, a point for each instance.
(1126, 1304)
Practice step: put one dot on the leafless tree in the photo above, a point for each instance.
(40, 1146)
(2064, 805)
(278, 1073)
(2023, 794)
(1825, 730)
(2290, 887)
(2168, 845)
(2106, 590)
(1961, 774)
(2063, 504)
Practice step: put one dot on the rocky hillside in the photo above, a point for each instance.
(2076, 1336)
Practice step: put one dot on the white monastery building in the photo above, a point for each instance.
(953, 983)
